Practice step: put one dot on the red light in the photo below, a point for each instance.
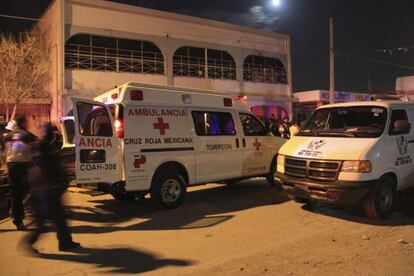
(136, 95)
(228, 102)
(119, 128)
(243, 98)
(114, 96)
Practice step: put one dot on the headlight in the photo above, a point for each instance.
(363, 166)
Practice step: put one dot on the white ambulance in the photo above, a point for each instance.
(158, 139)
(352, 153)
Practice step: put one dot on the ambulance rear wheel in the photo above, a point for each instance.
(380, 202)
(168, 190)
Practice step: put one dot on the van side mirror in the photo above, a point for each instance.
(401, 127)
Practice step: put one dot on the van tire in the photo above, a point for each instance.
(168, 190)
(381, 200)
(270, 177)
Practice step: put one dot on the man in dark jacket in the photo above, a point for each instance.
(48, 183)
(18, 158)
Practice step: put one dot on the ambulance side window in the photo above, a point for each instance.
(94, 120)
(252, 126)
(208, 123)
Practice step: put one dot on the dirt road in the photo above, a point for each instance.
(245, 229)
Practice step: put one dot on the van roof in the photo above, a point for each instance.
(386, 104)
(157, 94)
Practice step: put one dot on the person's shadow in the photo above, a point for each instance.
(117, 260)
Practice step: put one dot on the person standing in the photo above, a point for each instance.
(18, 159)
(48, 183)
(284, 128)
(294, 128)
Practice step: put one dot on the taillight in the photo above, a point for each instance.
(136, 95)
(119, 128)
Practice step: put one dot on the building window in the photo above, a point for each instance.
(264, 69)
(189, 62)
(202, 63)
(101, 53)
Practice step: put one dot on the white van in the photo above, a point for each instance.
(352, 153)
(158, 139)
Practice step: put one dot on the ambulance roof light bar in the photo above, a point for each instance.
(228, 102)
(136, 95)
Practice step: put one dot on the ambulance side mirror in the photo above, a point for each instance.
(401, 127)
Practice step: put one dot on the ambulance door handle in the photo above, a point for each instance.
(244, 142)
(237, 143)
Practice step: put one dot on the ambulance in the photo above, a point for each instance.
(358, 153)
(140, 139)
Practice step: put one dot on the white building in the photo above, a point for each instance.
(404, 86)
(99, 45)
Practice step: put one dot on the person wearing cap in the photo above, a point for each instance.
(18, 159)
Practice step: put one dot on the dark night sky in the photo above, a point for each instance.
(361, 28)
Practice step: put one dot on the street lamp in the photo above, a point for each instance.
(276, 3)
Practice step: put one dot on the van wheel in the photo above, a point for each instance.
(270, 177)
(168, 190)
(380, 202)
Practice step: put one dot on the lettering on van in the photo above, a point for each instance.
(143, 112)
(400, 161)
(219, 147)
(95, 142)
(152, 141)
(97, 167)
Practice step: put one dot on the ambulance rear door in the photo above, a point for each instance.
(98, 150)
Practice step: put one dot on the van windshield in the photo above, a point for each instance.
(356, 121)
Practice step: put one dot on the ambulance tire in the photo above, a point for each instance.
(270, 177)
(381, 200)
(168, 190)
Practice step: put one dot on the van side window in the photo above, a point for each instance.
(94, 120)
(397, 115)
(252, 126)
(70, 130)
(208, 123)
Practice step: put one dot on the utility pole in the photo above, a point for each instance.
(331, 62)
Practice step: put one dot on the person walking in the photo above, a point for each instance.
(18, 159)
(48, 183)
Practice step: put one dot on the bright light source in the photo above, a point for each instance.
(276, 3)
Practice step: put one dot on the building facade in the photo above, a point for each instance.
(99, 45)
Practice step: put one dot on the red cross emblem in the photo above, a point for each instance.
(161, 126)
(257, 144)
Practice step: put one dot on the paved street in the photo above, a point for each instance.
(248, 229)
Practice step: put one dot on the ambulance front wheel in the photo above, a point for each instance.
(168, 190)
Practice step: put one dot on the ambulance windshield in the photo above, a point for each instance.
(356, 121)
